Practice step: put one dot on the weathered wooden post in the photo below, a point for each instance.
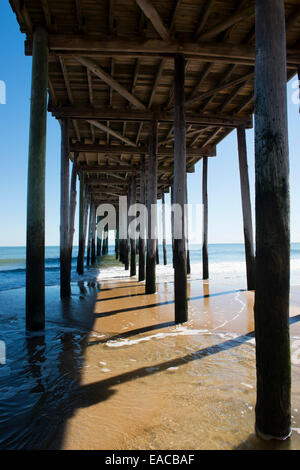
(172, 223)
(132, 201)
(164, 230)
(35, 245)
(93, 235)
(156, 251)
(246, 205)
(126, 241)
(188, 262)
(65, 274)
(142, 227)
(117, 241)
(152, 212)
(73, 196)
(81, 241)
(273, 407)
(89, 238)
(180, 277)
(205, 220)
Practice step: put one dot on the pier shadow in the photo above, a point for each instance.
(43, 389)
(160, 304)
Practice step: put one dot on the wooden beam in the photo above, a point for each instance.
(35, 244)
(65, 273)
(246, 206)
(142, 226)
(206, 10)
(110, 131)
(100, 73)
(209, 151)
(193, 102)
(205, 221)
(150, 287)
(223, 25)
(209, 51)
(90, 113)
(180, 275)
(152, 14)
(47, 13)
(272, 283)
(79, 14)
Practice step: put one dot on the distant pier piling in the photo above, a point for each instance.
(205, 221)
(142, 228)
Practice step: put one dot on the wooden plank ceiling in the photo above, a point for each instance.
(111, 72)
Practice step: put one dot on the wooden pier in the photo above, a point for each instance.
(144, 90)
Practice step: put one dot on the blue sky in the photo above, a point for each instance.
(225, 216)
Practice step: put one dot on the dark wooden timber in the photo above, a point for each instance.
(152, 212)
(142, 227)
(156, 251)
(126, 242)
(132, 201)
(65, 273)
(180, 277)
(163, 213)
(93, 235)
(188, 262)
(273, 407)
(81, 241)
(89, 238)
(35, 244)
(205, 221)
(73, 197)
(172, 223)
(246, 205)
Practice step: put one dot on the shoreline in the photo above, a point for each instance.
(125, 377)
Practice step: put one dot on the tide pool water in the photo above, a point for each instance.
(224, 260)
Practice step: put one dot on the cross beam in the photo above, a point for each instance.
(109, 114)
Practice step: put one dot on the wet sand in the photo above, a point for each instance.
(123, 376)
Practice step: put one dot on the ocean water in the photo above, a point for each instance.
(224, 260)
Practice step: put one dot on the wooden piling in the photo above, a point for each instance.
(126, 242)
(93, 236)
(35, 245)
(172, 223)
(81, 241)
(132, 201)
(180, 277)
(152, 214)
(89, 238)
(73, 197)
(246, 206)
(65, 274)
(156, 251)
(273, 407)
(188, 262)
(142, 228)
(205, 221)
(163, 213)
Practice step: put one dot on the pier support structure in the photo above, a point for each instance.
(180, 278)
(142, 228)
(164, 241)
(152, 212)
(93, 235)
(205, 221)
(65, 273)
(273, 407)
(35, 244)
(81, 241)
(73, 197)
(132, 201)
(246, 206)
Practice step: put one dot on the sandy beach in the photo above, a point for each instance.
(114, 372)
